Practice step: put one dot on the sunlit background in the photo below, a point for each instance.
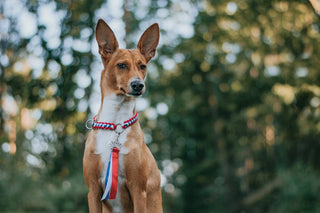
(231, 112)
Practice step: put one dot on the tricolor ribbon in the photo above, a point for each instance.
(111, 182)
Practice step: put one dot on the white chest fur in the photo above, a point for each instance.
(114, 110)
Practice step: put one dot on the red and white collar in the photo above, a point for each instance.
(113, 126)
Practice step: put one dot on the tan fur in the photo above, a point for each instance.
(141, 191)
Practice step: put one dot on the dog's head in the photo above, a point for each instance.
(124, 69)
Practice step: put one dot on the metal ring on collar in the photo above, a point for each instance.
(87, 123)
(119, 129)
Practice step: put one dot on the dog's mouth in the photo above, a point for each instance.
(123, 91)
(135, 94)
(131, 94)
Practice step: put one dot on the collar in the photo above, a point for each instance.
(111, 126)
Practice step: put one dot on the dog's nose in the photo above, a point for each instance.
(137, 85)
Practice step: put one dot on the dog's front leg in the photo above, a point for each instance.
(137, 185)
(139, 198)
(94, 195)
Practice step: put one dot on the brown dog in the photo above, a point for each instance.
(134, 173)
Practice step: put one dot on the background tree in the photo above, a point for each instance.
(244, 107)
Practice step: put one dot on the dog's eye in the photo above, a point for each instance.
(142, 67)
(122, 66)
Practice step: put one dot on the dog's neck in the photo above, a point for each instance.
(116, 108)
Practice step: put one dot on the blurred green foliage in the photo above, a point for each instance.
(232, 111)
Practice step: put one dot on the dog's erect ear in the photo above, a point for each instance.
(149, 41)
(106, 39)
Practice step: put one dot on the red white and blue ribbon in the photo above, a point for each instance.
(111, 182)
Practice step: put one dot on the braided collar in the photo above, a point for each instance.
(112, 126)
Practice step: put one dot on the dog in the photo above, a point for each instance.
(118, 167)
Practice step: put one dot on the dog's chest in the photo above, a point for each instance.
(113, 110)
(104, 139)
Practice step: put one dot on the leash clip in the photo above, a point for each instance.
(116, 144)
(118, 130)
(88, 125)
